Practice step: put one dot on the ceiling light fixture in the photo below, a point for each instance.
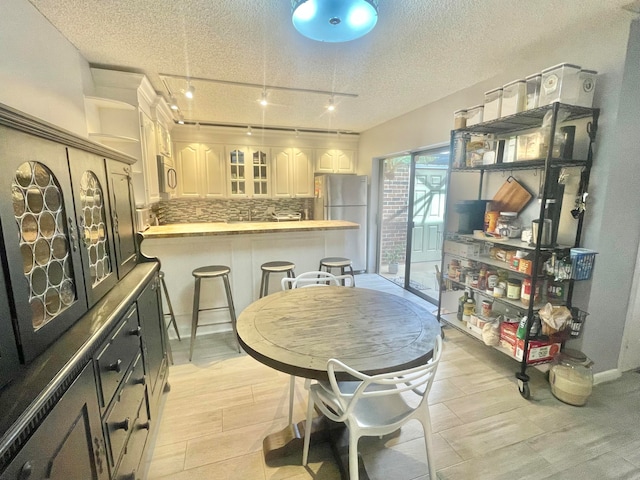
(249, 131)
(331, 106)
(263, 99)
(334, 20)
(190, 91)
(173, 103)
(181, 119)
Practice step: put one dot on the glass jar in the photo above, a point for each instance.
(571, 377)
(513, 289)
(508, 225)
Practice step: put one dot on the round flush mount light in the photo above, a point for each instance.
(334, 20)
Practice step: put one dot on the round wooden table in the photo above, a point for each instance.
(297, 331)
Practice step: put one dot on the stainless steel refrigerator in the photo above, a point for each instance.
(344, 197)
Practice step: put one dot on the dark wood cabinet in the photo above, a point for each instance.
(121, 195)
(69, 443)
(92, 209)
(153, 341)
(40, 238)
(82, 339)
(9, 361)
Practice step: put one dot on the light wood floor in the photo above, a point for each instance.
(223, 404)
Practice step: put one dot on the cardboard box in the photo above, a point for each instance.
(525, 266)
(508, 332)
(462, 249)
(539, 351)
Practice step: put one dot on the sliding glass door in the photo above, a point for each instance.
(411, 212)
(425, 230)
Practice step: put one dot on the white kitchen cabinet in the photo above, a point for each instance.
(292, 172)
(148, 137)
(335, 161)
(248, 171)
(119, 116)
(200, 170)
(164, 122)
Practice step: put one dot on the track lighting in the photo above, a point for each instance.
(331, 106)
(173, 103)
(249, 131)
(263, 99)
(190, 91)
(181, 119)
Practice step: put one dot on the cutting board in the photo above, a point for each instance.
(511, 197)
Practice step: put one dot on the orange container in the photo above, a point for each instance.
(491, 220)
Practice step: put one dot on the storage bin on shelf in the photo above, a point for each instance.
(582, 261)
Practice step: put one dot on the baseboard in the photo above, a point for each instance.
(606, 376)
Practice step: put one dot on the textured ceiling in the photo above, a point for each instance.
(420, 51)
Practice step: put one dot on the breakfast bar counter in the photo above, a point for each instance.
(240, 228)
(243, 247)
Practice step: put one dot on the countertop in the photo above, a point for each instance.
(242, 228)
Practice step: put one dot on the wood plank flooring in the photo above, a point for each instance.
(223, 404)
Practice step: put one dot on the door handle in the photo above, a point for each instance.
(172, 178)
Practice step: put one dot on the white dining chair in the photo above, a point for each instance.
(317, 279)
(375, 405)
(311, 279)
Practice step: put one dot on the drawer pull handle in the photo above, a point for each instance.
(116, 367)
(124, 425)
(129, 476)
(146, 425)
(136, 331)
(140, 381)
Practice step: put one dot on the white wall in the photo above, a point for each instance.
(41, 73)
(601, 46)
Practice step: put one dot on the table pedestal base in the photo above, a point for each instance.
(290, 441)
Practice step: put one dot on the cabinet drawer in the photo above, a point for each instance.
(130, 468)
(121, 419)
(116, 356)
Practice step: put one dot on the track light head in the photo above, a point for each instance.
(191, 90)
(331, 106)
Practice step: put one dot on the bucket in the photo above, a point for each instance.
(545, 241)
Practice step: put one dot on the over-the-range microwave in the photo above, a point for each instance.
(167, 175)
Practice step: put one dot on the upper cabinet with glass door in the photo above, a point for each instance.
(248, 171)
(90, 188)
(41, 240)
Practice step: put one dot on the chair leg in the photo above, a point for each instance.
(194, 316)
(171, 314)
(262, 284)
(307, 431)
(292, 393)
(232, 310)
(353, 454)
(428, 440)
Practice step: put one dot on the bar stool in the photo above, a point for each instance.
(274, 267)
(211, 271)
(329, 263)
(172, 316)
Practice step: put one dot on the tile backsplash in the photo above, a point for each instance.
(187, 210)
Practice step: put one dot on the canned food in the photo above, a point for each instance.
(486, 308)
